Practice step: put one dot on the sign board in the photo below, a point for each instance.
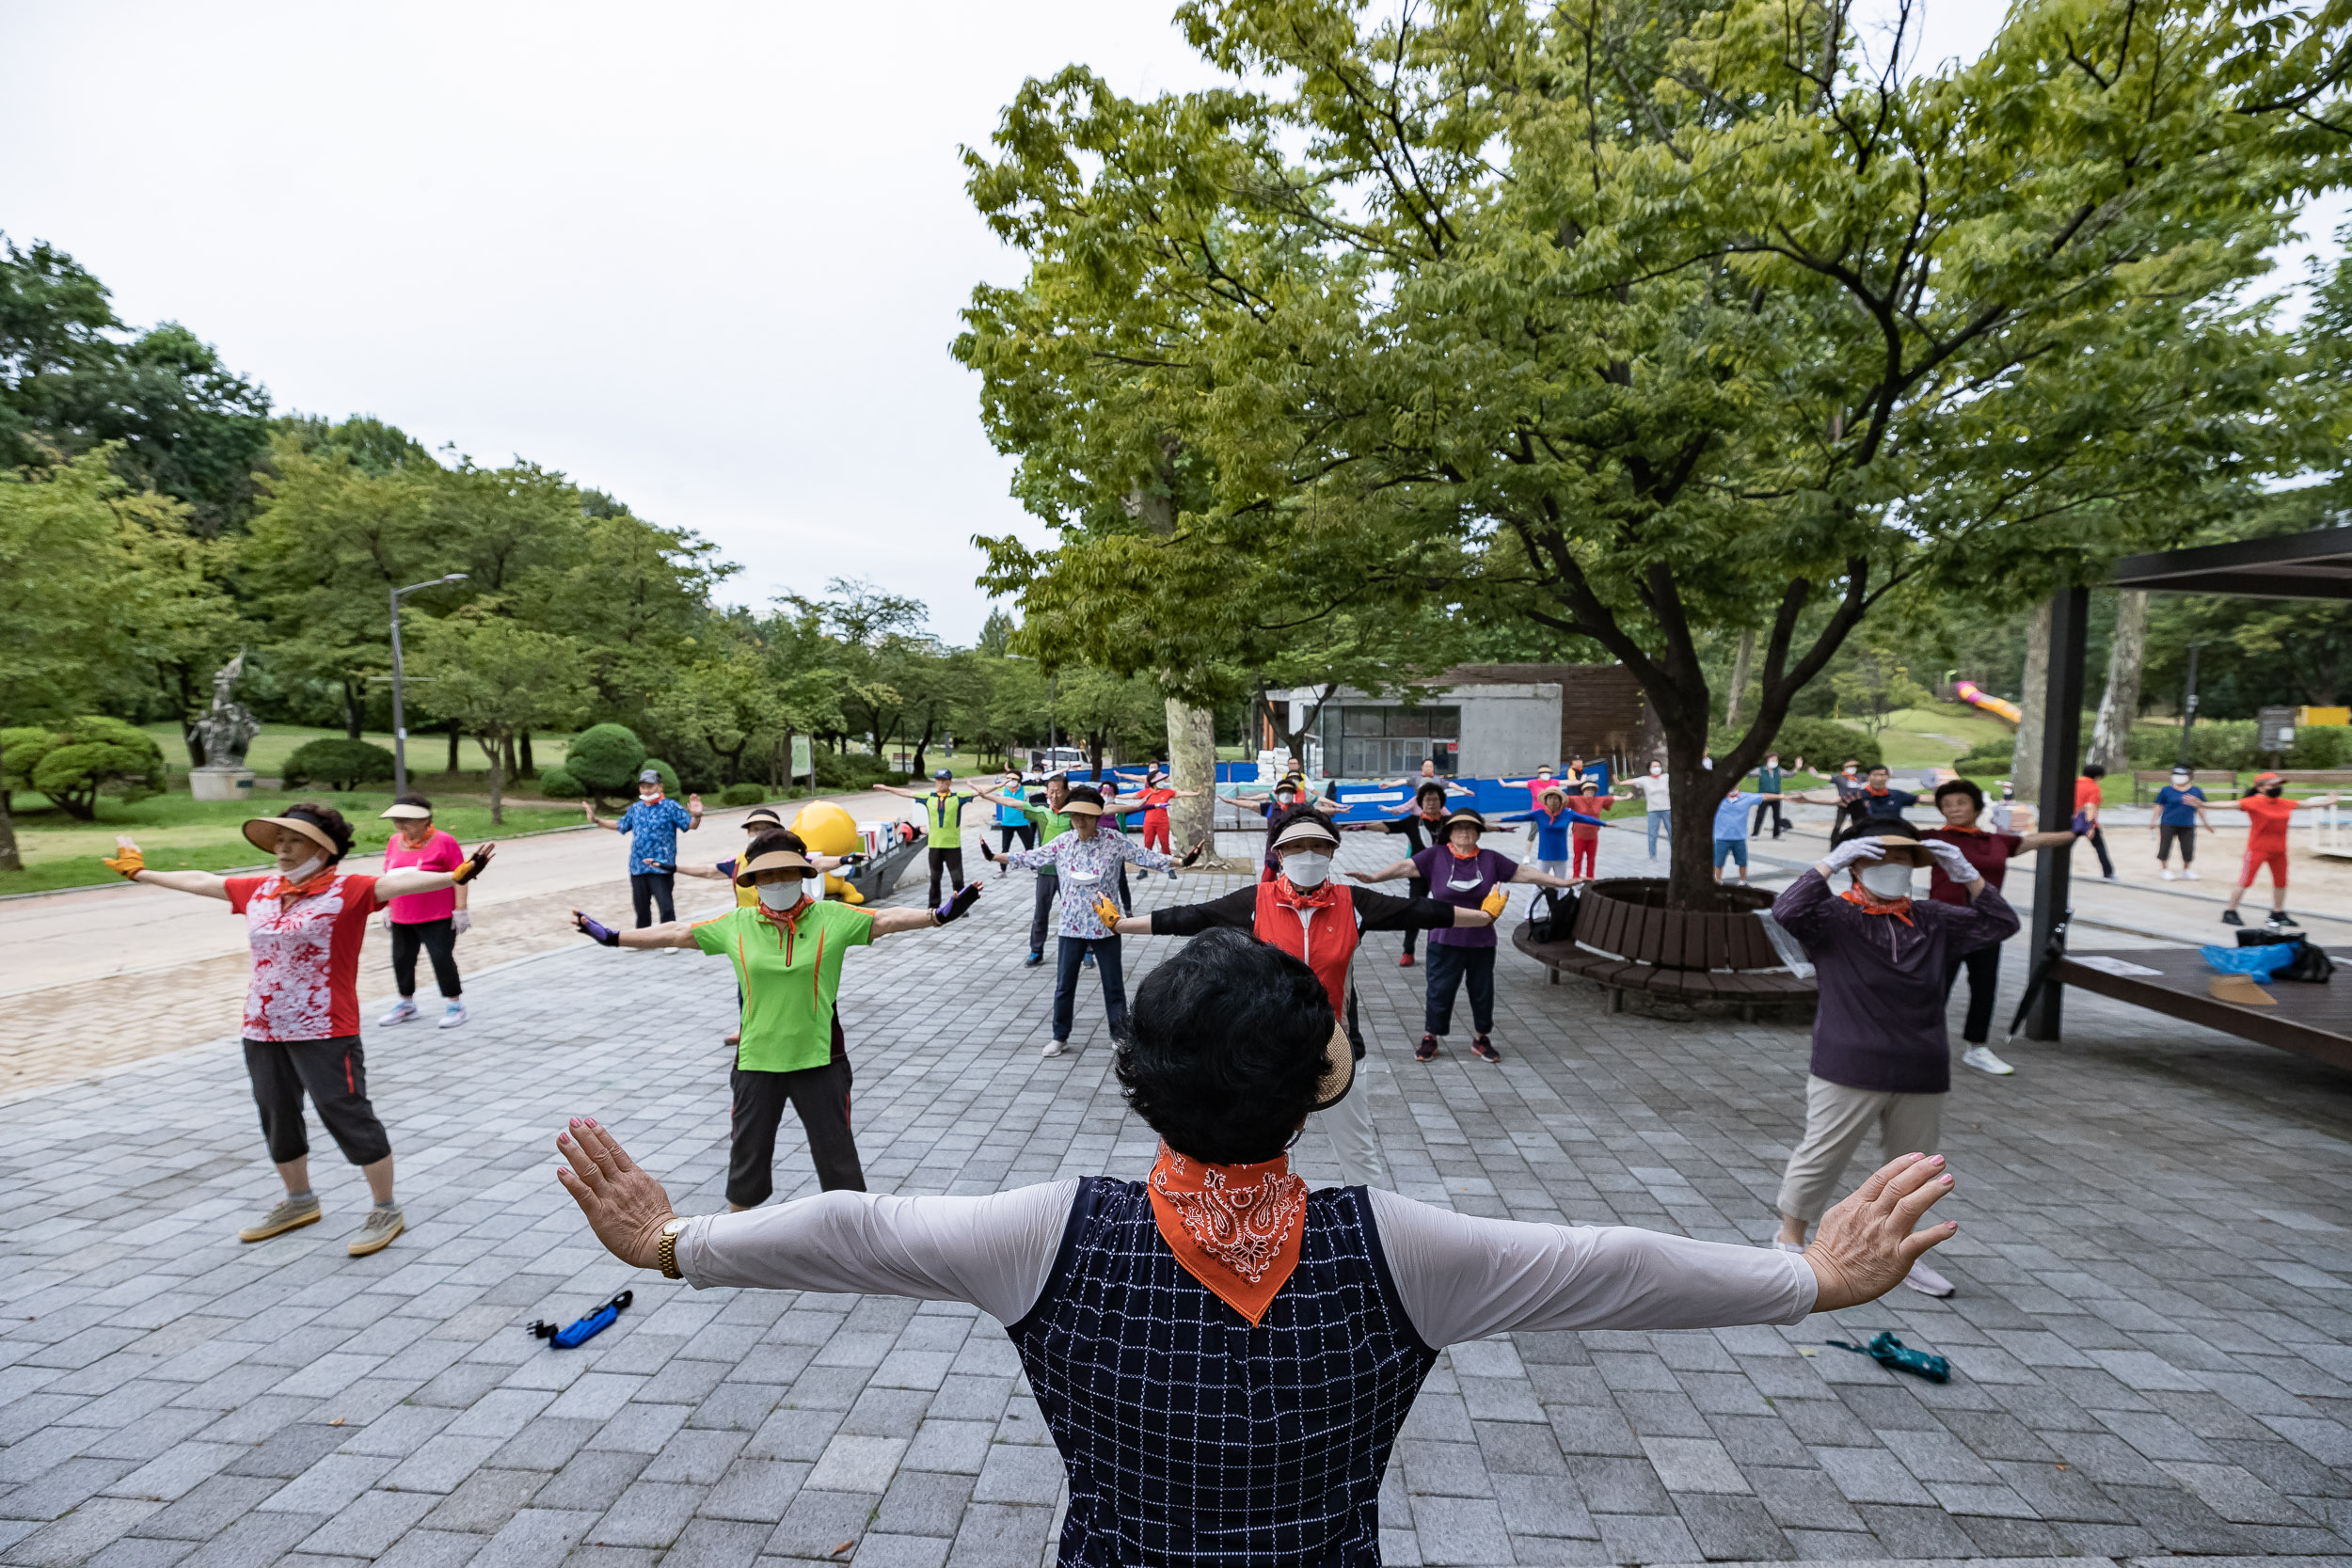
(803, 759)
(2274, 729)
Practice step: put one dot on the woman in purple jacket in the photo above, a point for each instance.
(1879, 1053)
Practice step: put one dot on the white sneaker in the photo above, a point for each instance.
(1779, 1245)
(1927, 1281)
(451, 1015)
(2166, 875)
(1056, 1048)
(2187, 874)
(404, 1009)
(1982, 1059)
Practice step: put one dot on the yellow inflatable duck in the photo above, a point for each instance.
(828, 830)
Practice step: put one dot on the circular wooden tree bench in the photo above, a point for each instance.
(1626, 942)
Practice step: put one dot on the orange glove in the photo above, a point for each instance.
(128, 863)
(1494, 902)
(472, 869)
(1106, 910)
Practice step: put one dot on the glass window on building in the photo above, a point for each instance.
(1367, 742)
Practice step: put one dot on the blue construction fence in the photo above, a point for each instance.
(1372, 803)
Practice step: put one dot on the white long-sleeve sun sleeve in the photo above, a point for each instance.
(1462, 1277)
(993, 1252)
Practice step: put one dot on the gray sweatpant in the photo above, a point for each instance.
(1836, 1117)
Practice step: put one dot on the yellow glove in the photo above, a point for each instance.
(1494, 901)
(128, 862)
(1106, 910)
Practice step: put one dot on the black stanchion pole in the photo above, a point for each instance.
(2061, 748)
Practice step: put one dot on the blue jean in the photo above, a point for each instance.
(1449, 966)
(1731, 850)
(1661, 822)
(1073, 950)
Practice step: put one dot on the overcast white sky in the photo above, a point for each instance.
(708, 258)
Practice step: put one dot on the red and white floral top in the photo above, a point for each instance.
(306, 954)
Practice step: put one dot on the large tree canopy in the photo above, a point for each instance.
(1636, 319)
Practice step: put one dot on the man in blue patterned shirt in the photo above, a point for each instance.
(653, 825)
(1086, 860)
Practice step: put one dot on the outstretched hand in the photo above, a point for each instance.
(595, 930)
(1866, 1244)
(128, 862)
(474, 862)
(625, 1207)
(953, 909)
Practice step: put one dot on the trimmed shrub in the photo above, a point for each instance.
(743, 795)
(605, 759)
(83, 757)
(336, 762)
(557, 784)
(668, 778)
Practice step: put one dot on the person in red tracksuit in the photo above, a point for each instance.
(1320, 922)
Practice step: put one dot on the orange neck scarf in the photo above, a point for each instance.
(1320, 897)
(1235, 1228)
(281, 889)
(1869, 904)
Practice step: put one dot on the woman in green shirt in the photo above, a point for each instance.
(786, 950)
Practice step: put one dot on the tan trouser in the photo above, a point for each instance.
(1836, 1117)
(1355, 1142)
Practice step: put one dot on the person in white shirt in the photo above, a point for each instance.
(1222, 1356)
(1658, 811)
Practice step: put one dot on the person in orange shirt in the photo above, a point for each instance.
(2267, 812)
(2086, 807)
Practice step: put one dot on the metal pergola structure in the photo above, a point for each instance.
(2314, 565)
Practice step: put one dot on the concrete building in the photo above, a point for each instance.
(1481, 720)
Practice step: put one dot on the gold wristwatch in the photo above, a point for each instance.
(667, 1256)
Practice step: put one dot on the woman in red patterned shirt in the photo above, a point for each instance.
(304, 921)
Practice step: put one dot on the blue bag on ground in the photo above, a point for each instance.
(571, 1336)
(2260, 962)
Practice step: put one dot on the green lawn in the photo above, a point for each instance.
(178, 832)
(426, 752)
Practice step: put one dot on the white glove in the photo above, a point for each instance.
(1955, 865)
(385, 920)
(460, 923)
(1854, 849)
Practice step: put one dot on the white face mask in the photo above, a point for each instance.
(1655, 771)
(1885, 881)
(306, 870)
(1306, 869)
(782, 895)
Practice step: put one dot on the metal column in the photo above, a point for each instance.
(2061, 753)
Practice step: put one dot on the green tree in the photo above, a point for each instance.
(1637, 321)
(74, 762)
(499, 679)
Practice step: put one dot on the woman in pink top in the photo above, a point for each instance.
(432, 921)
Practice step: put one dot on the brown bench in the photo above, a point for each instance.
(1624, 941)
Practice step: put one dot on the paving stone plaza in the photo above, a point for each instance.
(2150, 1337)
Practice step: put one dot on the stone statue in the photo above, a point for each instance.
(228, 726)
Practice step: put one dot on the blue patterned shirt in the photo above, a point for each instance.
(1088, 866)
(652, 831)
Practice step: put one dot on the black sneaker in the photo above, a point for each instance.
(2229, 917)
(1426, 1049)
(2281, 919)
(1484, 1049)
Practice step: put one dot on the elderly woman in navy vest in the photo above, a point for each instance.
(1319, 922)
(1223, 1356)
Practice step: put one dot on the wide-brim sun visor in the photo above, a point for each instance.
(1306, 831)
(774, 860)
(1455, 819)
(1339, 1069)
(1903, 850)
(258, 831)
(406, 813)
(1081, 808)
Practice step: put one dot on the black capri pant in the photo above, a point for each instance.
(2183, 834)
(821, 1096)
(334, 1073)
(438, 938)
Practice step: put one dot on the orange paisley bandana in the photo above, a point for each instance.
(1235, 1228)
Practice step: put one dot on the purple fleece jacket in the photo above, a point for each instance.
(1881, 1022)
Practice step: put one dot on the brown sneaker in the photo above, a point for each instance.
(1426, 1049)
(289, 1214)
(1484, 1049)
(374, 1236)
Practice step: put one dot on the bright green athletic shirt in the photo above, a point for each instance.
(942, 818)
(790, 977)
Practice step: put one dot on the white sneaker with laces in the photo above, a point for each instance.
(451, 1015)
(402, 1010)
(1927, 1281)
(1982, 1059)
(2166, 875)
(1056, 1048)
(2189, 876)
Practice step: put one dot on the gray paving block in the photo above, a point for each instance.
(650, 1513)
(431, 1548)
(536, 1537)
(816, 1522)
(81, 1534)
(757, 1490)
(484, 1503)
(716, 1544)
(925, 1502)
(367, 1525)
(1738, 1527)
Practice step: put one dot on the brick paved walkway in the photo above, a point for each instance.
(2150, 1337)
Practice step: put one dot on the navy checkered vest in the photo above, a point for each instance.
(1192, 1437)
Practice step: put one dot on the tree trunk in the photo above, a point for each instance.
(1191, 764)
(1694, 792)
(506, 756)
(454, 733)
(493, 746)
(9, 859)
(530, 768)
(2025, 759)
(2119, 705)
(1739, 663)
(351, 712)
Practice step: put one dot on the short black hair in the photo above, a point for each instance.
(1878, 768)
(414, 801)
(1960, 786)
(1225, 1048)
(2092, 770)
(1432, 787)
(773, 840)
(326, 819)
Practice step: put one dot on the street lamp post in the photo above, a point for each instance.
(399, 726)
(2189, 704)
